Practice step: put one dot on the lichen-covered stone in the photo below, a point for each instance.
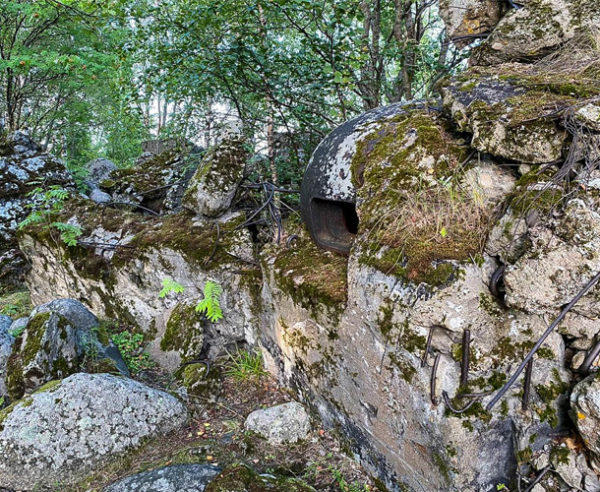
(285, 423)
(506, 115)
(465, 20)
(563, 257)
(69, 428)
(59, 339)
(213, 187)
(537, 29)
(22, 162)
(99, 170)
(174, 478)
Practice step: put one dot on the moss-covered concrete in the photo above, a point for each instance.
(408, 199)
(315, 279)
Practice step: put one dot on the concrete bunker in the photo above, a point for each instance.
(328, 193)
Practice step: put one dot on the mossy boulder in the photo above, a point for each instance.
(241, 477)
(184, 332)
(156, 182)
(213, 187)
(415, 211)
(60, 338)
(508, 115)
(173, 478)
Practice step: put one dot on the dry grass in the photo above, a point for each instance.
(446, 221)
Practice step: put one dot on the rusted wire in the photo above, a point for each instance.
(428, 346)
(135, 205)
(540, 342)
(527, 386)
(591, 356)
(466, 356)
(436, 363)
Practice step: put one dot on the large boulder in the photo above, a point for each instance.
(285, 423)
(69, 428)
(174, 478)
(213, 187)
(61, 338)
(121, 277)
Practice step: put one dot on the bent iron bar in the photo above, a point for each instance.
(433, 377)
(540, 342)
(592, 355)
(527, 385)
(466, 355)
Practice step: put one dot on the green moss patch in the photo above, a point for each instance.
(315, 279)
(241, 477)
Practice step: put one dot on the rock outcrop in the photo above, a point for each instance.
(66, 429)
(22, 164)
(156, 182)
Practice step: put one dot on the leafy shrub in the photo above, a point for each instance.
(131, 347)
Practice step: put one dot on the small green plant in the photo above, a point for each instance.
(169, 285)
(17, 331)
(45, 204)
(131, 347)
(245, 365)
(210, 306)
(9, 310)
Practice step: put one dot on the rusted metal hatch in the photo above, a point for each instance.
(328, 197)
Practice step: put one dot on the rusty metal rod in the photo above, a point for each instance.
(428, 346)
(540, 342)
(538, 479)
(495, 280)
(457, 410)
(591, 356)
(527, 385)
(466, 356)
(433, 376)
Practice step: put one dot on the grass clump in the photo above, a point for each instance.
(245, 365)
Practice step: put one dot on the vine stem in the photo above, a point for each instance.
(539, 343)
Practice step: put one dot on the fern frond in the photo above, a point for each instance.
(169, 285)
(210, 306)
